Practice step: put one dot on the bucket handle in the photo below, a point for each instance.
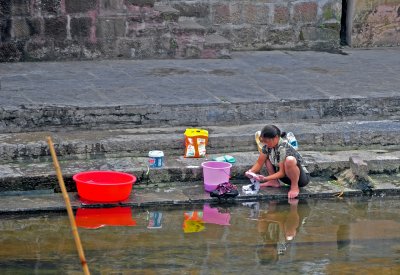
(229, 176)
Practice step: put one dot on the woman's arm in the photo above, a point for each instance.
(278, 175)
(262, 158)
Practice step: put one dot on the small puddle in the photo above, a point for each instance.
(168, 71)
(272, 70)
(223, 72)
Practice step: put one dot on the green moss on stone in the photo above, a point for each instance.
(173, 44)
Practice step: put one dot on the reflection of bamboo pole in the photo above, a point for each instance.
(69, 208)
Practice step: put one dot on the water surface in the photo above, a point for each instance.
(338, 236)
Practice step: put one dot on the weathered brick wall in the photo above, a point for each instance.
(44, 29)
(77, 29)
(88, 29)
(268, 24)
(374, 23)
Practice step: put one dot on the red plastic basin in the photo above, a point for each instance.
(104, 186)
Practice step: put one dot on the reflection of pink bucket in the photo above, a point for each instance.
(212, 215)
(214, 173)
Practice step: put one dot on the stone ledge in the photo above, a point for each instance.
(215, 40)
(141, 3)
(379, 135)
(41, 175)
(215, 111)
(188, 27)
(168, 13)
(193, 194)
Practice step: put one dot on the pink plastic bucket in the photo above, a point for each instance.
(214, 173)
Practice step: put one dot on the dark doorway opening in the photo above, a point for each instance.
(343, 25)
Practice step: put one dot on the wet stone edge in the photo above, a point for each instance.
(172, 203)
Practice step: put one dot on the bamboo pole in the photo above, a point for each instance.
(69, 208)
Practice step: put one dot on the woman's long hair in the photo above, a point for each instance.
(271, 131)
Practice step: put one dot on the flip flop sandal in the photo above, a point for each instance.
(229, 159)
(222, 159)
(226, 158)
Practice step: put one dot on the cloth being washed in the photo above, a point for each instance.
(253, 188)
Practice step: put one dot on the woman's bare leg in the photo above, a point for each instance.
(270, 170)
(293, 220)
(292, 171)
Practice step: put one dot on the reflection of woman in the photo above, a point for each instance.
(278, 226)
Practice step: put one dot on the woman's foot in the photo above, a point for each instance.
(270, 183)
(293, 201)
(293, 193)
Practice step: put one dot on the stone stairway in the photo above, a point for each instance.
(327, 148)
(108, 115)
(137, 142)
(56, 117)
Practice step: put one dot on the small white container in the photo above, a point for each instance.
(156, 159)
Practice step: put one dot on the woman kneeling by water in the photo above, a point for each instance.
(282, 161)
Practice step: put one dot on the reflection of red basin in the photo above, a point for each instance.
(93, 218)
(104, 186)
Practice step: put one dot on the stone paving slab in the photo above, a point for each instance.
(267, 76)
(266, 86)
(32, 203)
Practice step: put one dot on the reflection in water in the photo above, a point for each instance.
(93, 218)
(155, 220)
(278, 224)
(194, 221)
(301, 237)
(216, 215)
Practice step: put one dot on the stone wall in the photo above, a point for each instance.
(268, 24)
(374, 23)
(32, 30)
(82, 29)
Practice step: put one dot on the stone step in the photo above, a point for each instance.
(168, 13)
(141, 3)
(188, 27)
(188, 39)
(83, 144)
(40, 175)
(216, 46)
(215, 40)
(46, 200)
(25, 118)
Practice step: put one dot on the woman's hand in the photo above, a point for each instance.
(262, 178)
(250, 174)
